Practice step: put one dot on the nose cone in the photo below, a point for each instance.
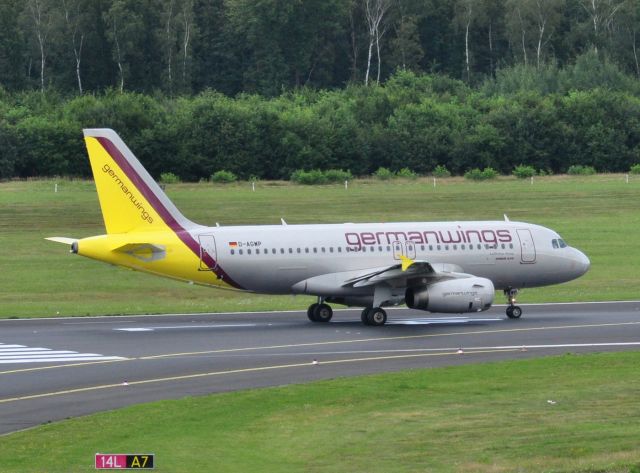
(581, 263)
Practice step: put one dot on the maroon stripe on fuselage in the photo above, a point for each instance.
(164, 213)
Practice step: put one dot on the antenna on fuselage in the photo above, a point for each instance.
(282, 221)
(506, 219)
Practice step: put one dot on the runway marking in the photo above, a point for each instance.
(380, 339)
(23, 354)
(438, 320)
(465, 348)
(236, 371)
(311, 344)
(179, 327)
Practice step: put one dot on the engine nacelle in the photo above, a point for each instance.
(454, 296)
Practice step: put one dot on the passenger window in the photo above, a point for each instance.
(455, 247)
(290, 250)
(248, 252)
(331, 249)
(233, 252)
(503, 246)
(281, 251)
(339, 249)
(430, 247)
(306, 250)
(323, 249)
(257, 251)
(298, 250)
(239, 252)
(422, 247)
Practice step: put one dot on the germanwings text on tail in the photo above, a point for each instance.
(449, 267)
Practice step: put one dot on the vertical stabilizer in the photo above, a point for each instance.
(129, 197)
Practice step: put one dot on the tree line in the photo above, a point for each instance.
(182, 47)
(550, 118)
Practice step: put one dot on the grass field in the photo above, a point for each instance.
(597, 214)
(474, 418)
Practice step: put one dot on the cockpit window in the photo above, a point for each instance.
(558, 243)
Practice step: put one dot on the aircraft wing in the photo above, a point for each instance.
(399, 274)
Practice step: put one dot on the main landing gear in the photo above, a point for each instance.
(513, 311)
(374, 316)
(320, 312)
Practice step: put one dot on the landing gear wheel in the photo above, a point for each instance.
(363, 315)
(514, 312)
(376, 317)
(322, 313)
(311, 312)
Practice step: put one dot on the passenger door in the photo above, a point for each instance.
(207, 248)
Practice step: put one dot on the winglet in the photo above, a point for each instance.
(406, 262)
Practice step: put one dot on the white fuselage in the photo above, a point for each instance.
(274, 259)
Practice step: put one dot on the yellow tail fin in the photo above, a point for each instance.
(129, 197)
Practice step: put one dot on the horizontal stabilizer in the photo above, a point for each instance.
(65, 240)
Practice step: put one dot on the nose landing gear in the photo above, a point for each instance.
(513, 311)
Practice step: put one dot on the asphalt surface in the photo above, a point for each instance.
(51, 369)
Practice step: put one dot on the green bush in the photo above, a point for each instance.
(407, 173)
(441, 171)
(478, 175)
(383, 174)
(337, 175)
(579, 170)
(224, 177)
(524, 172)
(635, 169)
(169, 178)
(489, 173)
(315, 176)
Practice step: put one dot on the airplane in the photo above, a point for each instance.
(441, 267)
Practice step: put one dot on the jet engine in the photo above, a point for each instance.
(452, 296)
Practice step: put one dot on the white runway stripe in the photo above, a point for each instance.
(437, 320)
(181, 327)
(10, 353)
(60, 360)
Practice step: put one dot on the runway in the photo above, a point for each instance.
(52, 369)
